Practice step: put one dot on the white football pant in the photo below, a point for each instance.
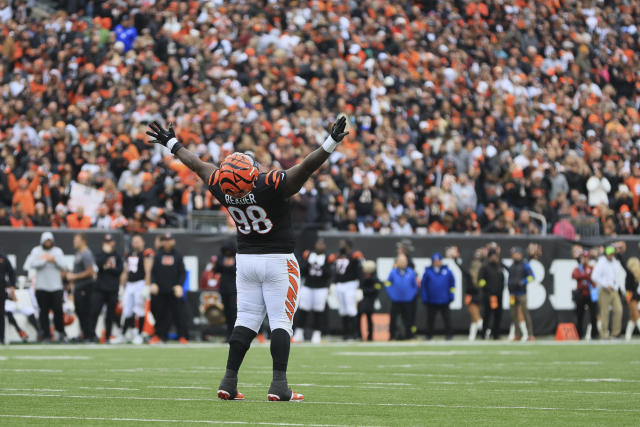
(347, 298)
(133, 299)
(313, 299)
(267, 283)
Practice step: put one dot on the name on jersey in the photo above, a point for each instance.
(249, 199)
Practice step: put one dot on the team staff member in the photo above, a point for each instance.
(402, 288)
(491, 281)
(82, 277)
(167, 277)
(582, 295)
(110, 267)
(605, 276)
(348, 272)
(471, 293)
(138, 275)
(520, 275)
(315, 268)
(438, 288)
(48, 262)
(7, 285)
(370, 285)
(226, 266)
(632, 285)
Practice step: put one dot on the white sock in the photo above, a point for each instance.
(525, 332)
(473, 331)
(599, 327)
(587, 336)
(630, 327)
(512, 332)
(480, 324)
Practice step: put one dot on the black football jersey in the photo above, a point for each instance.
(348, 267)
(135, 267)
(316, 269)
(262, 217)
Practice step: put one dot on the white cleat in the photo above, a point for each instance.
(316, 338)
(298, 335)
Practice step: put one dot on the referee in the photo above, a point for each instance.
(7, 284)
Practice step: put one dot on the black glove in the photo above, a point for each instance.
(164, 137)
(337, 130)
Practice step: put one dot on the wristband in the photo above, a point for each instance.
(174, 145)
(329, 144)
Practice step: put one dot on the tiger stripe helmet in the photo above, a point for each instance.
(237, 175)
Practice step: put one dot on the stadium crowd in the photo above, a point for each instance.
(465, 116)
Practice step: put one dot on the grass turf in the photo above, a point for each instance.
(351, 384)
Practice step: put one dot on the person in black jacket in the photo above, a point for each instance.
(7, 285)
(370, 285)
(226, 266)
(316, 271)
(491, 281)
(167, 278)
(105, 292)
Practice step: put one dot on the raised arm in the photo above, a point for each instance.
(168, 139)
(298, 174)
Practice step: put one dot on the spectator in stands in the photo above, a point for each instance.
(402, 288)
(78, 220)
(520, 275)
(437, 290)
(105, 292)
(489, 120)
(582, 296)
(605, 276)
(41, 218)
(48, 263)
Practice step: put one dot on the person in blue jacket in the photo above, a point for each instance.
(402, 288)
(438, 287)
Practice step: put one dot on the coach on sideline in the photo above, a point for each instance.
(167, 277)
(48, 262)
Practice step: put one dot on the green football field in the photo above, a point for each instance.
(344, 384)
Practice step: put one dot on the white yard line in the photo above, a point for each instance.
(109, 388)
(480, 345)
(408, 405)
(30, 357)
(180, 387)
(153, 420)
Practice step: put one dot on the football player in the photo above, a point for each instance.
(138, 267)
(348, 272)
(316, 270)
(268, 275)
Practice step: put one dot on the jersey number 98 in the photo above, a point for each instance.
(252, 218)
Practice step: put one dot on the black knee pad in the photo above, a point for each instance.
(242, 336)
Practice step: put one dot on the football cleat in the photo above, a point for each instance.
(295, 397)
(225, 395)
(155, 340)
(183, 340)
(24, 335)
